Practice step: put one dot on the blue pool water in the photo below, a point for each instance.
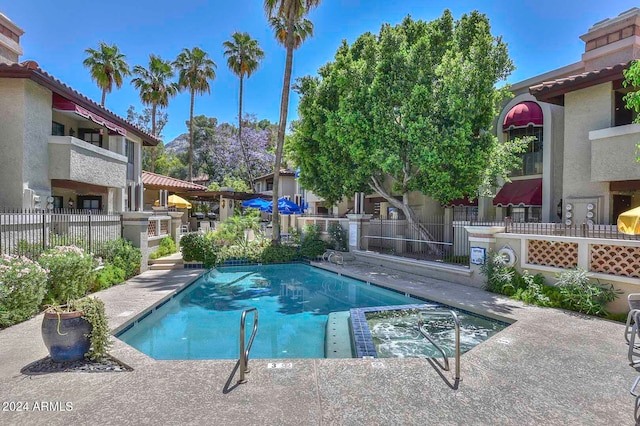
(294, 300)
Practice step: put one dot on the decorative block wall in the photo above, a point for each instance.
(615, 260)
(552, 253)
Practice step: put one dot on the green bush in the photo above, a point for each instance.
(499, 275)
(251, 251)
(167, 247)
(123, 254)
(22, 288)
(70, 273)
(312, 245)
(198, 248)
(531, 289)
(278, 254)
(581, 294)
(337, 236)
(108, 276)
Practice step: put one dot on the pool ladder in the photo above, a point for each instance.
(446, 367)
(244, 353)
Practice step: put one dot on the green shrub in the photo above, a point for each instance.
(337, 236)
(499, 275)
(167, 247)
(108, 276)
(531, 289)
(251, 251)
(312, 245)
(23, 284)
(70, 273)
(581, 294)
(123, 254)
(278, 254)
(198, 248)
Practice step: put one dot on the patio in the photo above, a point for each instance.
(549, 367)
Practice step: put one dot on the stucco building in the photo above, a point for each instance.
(581, 167)
(59, 148)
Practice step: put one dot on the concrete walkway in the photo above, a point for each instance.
(550, 367)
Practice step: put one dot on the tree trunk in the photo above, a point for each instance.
(414, 223)
(193, 95)
(104, 96)
(242, 147)
(282, 126)
(153, 132)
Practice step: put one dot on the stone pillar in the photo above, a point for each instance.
(135, 228)
(176, 222)
(481, 241)
(358, 226)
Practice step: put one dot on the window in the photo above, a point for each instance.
(93, 136)
(90, 202)
(130, 152)
(532, 157)
(465, 213)
(58, 202)
(525, 214)
(57, 129)
(621, 115)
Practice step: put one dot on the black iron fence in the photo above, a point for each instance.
(29, 232)
(560, 229)
(434, 239)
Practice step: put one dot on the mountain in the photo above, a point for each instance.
(179, 144)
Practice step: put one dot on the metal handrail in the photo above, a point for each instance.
(426, 336)
(244, 354)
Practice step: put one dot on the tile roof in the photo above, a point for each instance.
(31, 69)
(549, 89)
(154, 179)
(283, 172)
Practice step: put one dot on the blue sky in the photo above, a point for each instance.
(542, 35)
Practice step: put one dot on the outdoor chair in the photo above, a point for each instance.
(634, 305)
(634, 339)
(636, 411)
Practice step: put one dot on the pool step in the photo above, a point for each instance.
(166, 263)
(337, 342)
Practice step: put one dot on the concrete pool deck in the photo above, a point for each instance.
(550, 367)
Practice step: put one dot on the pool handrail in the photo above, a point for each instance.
(244, 353)
(456, 320)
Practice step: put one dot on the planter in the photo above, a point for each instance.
(65, 335)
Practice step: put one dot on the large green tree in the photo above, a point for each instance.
(292, 11)
(155, 87)
(410, 109)
(632, 98)
(107, 66)
(243, 58)
(195, 69)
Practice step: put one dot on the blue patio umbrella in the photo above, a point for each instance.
(284, 207)
(256, 203)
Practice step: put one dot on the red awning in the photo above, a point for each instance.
(522, 115)
(520, 193)
(64, 104)
(462, 202)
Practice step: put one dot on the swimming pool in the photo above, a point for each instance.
(293, 301)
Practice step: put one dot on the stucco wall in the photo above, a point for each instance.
(37, 131)
(12, 104)
(557, 145)
(613, 153)
(585, 110)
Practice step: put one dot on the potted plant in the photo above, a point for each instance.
(76, 330)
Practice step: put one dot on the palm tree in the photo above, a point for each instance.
(302, 29)
(243, 55)
(155, 90)
(292, 12)
(195, 70)
(108, 67)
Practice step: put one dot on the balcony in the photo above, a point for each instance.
(613, 153)
(76, 160)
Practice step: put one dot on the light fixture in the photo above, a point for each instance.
(223, 203)
(72, 132)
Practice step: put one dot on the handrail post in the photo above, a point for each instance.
(456, 321)
(244, 354)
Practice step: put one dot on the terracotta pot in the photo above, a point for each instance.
(65, 335)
